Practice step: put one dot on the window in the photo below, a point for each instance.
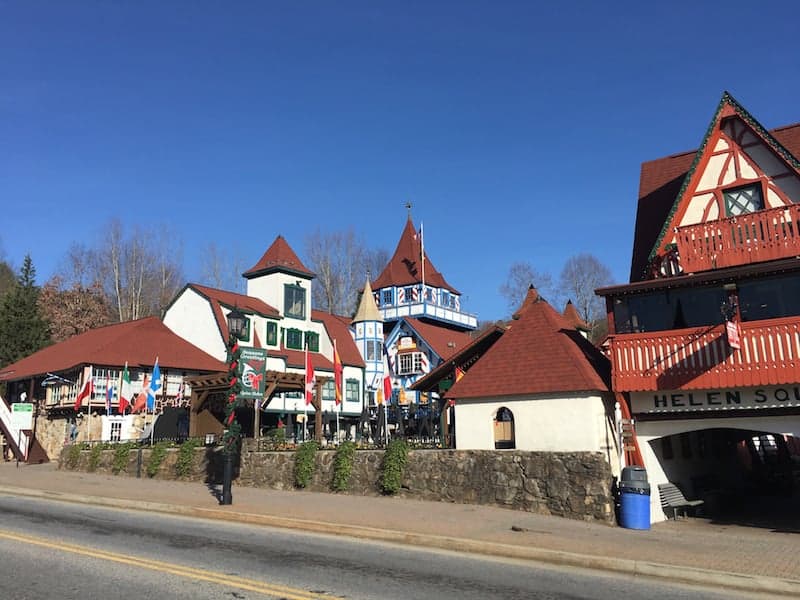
(743, 200)
(294, 339)
(272, 333)
(386, 296)
(409, 363)
(504, 429)
(770, 298)
(116, 431)
(373, 350)
(328, 391)
(294, 301)
(351, 390)
(445, 298)
(669, 309)
(409, 294)
(312, 341)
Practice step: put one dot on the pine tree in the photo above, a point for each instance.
(23, 329)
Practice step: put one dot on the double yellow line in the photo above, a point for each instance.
(241, 583)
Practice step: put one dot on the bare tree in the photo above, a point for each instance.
(581, 275)
(221, 270)
(341, 262)
(522, 275)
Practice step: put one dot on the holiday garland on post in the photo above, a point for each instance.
(233, 431)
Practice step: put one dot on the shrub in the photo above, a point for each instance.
(95, 453)
(304, 463)
(343, 466)
(185, 462)
(393, 466)
(157, 455)
(120, 461)
(74, 455)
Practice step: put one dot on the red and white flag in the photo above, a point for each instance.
(125, 391)
(86, 391)
(387, 381)
(310, 379)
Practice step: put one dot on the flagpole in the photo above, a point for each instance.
(305, 394)
(336, 405)
(153, 416)
(89, 407)
(422, 258)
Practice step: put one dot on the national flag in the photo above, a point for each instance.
(109, 397)
(310, 379)
(141, 398)
(155, 388)
(459, 373)
(86, 391)
(387, 381)
(125, 391)
(179, 395)
(337, 373)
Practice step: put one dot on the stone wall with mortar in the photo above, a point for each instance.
(574, 485)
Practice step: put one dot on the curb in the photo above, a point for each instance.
(664, 572)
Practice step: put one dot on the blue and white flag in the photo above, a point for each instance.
(109, 397)
(154, 389)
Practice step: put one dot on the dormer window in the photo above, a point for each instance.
(386, 297)
(294, 301)
(743, 200)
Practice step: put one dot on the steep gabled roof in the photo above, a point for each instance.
(367, 309)
(463, 358)
(539, 353)
(135, 342)
(338, 329)
(279, 257)
(247, 304)
(663, 181)
(405, 266)
(442, 340)
(573, 318)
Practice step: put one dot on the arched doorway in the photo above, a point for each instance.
(504, 429)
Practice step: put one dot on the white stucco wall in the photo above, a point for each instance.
(191, 317)
(574, 424)
(269, 288)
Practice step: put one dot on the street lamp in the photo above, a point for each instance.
(231, 439)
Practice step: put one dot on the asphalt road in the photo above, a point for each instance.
(51, 549)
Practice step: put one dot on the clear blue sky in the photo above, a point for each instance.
(516, 129)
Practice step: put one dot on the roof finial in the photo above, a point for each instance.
(408, 207)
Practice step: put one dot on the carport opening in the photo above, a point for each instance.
(743, 476)
(504, 430)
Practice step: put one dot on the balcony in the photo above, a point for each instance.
(755, 237)
(702, 358)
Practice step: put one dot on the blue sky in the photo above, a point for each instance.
(516, 129)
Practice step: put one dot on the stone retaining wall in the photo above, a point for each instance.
(574, 485)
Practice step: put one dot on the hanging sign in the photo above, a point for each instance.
(252, 372)
(732, 329)
(22, 415)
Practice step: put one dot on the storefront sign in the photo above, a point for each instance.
(22, 415)
(252, 372)
(716, 400)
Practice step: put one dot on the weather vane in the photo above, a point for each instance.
(408, 206)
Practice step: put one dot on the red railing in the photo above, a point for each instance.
(703, 359)
(755, 237)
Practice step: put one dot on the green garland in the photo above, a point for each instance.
(304, 463)
(343, 466)
(233, 431)
(395, 459)
(185, 462)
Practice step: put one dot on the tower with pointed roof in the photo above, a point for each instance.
(367, 328)
(281, 280)
(410, 286)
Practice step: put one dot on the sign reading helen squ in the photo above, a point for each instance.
(728, 399)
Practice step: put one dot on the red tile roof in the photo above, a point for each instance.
(339, 330)
(573, 318)
(279, 257)
(444, 341)
(217, 298)
(297, 359)
(405, 267)
(539, 353)
(659, 184)
(137, 342)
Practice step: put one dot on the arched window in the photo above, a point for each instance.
(504, 429)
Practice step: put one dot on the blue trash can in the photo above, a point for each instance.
(634, 506)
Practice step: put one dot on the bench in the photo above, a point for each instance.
(672, 498)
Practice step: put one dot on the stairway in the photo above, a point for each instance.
(17, 439)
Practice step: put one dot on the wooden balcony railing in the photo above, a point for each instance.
(702, 358)
(755, 237)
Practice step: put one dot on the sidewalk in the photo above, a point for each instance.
(696, 551)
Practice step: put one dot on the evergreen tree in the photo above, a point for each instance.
(23, 329)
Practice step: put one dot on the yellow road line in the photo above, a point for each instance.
(180, 570)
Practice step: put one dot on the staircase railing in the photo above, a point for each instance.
(17, 439)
